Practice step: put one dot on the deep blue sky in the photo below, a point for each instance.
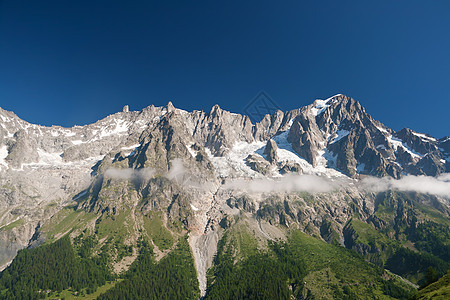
(73, 62)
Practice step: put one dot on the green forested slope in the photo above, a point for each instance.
(173, 277)
(52, 267)
(439, 290)
(303, 267)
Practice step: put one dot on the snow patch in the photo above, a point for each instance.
(194, 208)
(47, 158)
(381, 129)
(77, 142)
(286, 153)
(234, 159)
(191, 151)
(291, 121)
(319, 107)
(121, 126)
(3, 155)
(69, 133)
(80, 195)
(396, 142)
(423, 136)
(54, 160)
(133, 148)
(340, 134)
(324, 160)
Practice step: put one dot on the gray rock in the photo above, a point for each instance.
(258, 164)
(271, 151)
(192, 156)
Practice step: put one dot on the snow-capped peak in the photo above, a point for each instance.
(319, 105)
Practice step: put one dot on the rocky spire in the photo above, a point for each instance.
(271, 151)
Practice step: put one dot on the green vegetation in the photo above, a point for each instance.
(328, 233)
(378, 246)
(244, 243)
(174, 277)
(437, 290)
(307, 197)
(432, 214)
(414, 265)
(261, 275)
(367, 234)
(53, 267)
(304, 267)
(429, 243)
(160, 235)
(81, 269)
(342, 273)
(65, 221)
(85, 294)
(12, 225)
(433, 238)
(404, 236)
(115, 229)
(117, 226)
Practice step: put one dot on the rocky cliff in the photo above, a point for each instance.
(200, 172)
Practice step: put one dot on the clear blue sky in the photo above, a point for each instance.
(73, 62)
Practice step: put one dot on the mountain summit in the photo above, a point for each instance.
(162, 174)
(335, 133)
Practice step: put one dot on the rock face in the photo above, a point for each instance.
(199, 169)
(358, 144)
(271, 151)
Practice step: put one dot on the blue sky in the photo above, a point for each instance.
(73, 62)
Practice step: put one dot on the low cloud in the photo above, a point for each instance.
(177, 170)
(129, 173)
(288, 183)
(439, 186)
(180, 174)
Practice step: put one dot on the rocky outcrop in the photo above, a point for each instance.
(271, 151)
(362, 145)
(181, 164)
(306, 138)
(258, 164)
(21, 149)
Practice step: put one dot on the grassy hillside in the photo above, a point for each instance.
(302, 266)
(404, 235)
(87, 255)
(439, 290)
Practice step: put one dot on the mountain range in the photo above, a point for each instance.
(227, 198)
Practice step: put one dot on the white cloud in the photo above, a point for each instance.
(439, 186)
(128, 173)
(180, 174)
(177, 170)
(288, 183)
